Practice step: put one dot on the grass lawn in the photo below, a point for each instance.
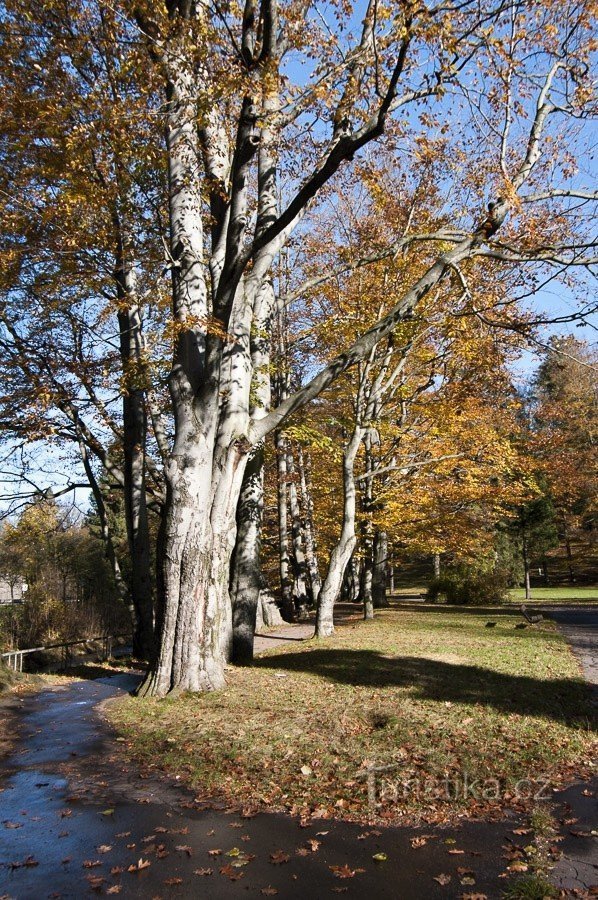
(431, 693)
(558, 595)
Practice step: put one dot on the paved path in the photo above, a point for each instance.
(579, 624)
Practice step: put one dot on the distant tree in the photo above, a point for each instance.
(565, 426)
(535, 528)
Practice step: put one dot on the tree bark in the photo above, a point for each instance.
(246, 564)
(134, 469)
(311, 550)
(379, 570)
(286, 584)
(525, 553)
(343, 549)
(300, 601)
(245, 580)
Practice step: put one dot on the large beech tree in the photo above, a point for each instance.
(261, 107)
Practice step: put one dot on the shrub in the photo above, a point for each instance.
(469, 588)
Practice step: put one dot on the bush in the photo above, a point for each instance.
(469, 588)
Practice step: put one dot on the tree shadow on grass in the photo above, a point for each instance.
(563, 700)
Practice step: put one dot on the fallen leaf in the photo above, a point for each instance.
(380, 857)
(173, 880)
(517, 867)
(203, 871)
(231, 873)
(214, 852)
(28, 863)
(456, 852)
(185, 848)
(160, 830)
(124, 834)
(418, 842)
(91, 863)
(13, 824)
(442, 878)
(117, 870)
(108, 812)
(268, 891)
(248, 812)
(141, 864)
(114, 889)
(279, 857)
(104, 848)
(345, 871)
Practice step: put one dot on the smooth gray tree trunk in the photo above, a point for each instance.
(343, 549)
(311, 548)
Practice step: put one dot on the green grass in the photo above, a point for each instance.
(559, 595)
(431, 693)
(532, 887)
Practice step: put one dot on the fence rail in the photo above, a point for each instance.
(15, 657)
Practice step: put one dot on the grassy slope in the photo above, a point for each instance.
(432, 690)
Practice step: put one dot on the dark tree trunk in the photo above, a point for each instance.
(245, 567)
(379, 570)
(134, 443)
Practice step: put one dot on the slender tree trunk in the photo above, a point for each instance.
(300, 600)
(437, 565)
(546, 572)
(107, 538)
(134, 468)
(343, 549)
(379, 570)
(246, 564)
(286, 584)
(528, 589)
(311, 554)
(245, 580)
(354, 569)
(569, 556)
(365, 588)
